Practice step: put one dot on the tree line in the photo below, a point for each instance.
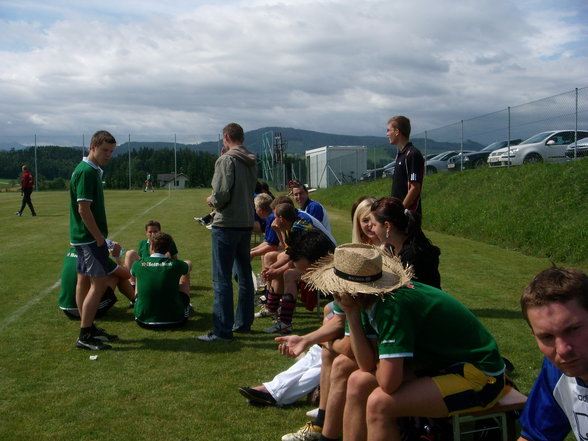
(55, 165)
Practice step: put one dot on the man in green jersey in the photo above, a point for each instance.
(162, 288)
(88, 231)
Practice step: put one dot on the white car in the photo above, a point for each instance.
(542, 147)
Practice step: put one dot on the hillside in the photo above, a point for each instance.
(537, 209)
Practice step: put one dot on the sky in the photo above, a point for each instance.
(152, 69)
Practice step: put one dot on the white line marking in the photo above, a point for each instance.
(16, 314)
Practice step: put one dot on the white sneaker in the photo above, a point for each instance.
(308, 432)
(278, 328)
(312, 413)
(264, 312)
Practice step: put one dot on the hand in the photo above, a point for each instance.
(100, 242)
(209, 200)
(347, 302)
(291, 345)
(269, 274)
(115, 252)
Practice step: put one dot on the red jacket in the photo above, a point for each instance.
(27, 181)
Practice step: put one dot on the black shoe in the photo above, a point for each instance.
(257, 396)
(102, 335)
(92, 344)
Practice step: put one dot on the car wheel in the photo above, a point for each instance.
(431, 170)
(533, 158)
(480, 163)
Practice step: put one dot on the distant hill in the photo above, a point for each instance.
(11, 145)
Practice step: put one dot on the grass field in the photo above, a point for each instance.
(167, 385)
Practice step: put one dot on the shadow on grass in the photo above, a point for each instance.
(497, 313)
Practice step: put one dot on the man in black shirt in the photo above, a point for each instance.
(409, 169)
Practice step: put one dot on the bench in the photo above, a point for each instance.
(500, 416)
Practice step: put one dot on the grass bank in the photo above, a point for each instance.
(539, 210)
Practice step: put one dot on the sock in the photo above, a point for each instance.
(324, 438)
(273, 300)
(287, 309)
(320, 418)
(86, 332)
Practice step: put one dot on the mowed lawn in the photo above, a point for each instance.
(167, 385)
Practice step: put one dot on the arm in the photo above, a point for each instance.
(90, 222)
(390, 373)
(414, 191)
(222, 182)
(294, 345)
(262, 249)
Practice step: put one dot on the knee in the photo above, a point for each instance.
(379, 406)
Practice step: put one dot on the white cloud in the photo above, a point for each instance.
(338, 66)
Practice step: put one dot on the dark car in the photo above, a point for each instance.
(377, 173)
(477, 159)
(577, 149)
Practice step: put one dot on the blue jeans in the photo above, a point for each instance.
(230, 249)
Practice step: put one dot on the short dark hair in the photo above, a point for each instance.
(555, 285)
(311, 244)
(287, 211)
(102, 137)
(281, 200)
(235, 132)
(153, 223)
(161, 242)
(402, 123)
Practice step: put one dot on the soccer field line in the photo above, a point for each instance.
(16, 314)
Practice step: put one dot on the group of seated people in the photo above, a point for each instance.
(154, 280)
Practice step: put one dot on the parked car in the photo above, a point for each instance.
(380, 172)
(543, 147)
(477, 159)
(438, 163)
(578, 150)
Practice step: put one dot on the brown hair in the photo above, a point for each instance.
(161, 242)
(281, 200)
(287, 211)
(102, 137)
(555, 285)
(402, 123)
(235, 132)
(153, 223)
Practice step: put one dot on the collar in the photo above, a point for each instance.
(158, 255)
(91, 164)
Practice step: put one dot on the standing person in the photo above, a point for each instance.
(315, 209)
(27, 182)
(409, 170)
(88, 230)
(555, 305)
(233, 185)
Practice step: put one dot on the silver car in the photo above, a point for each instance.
(438, 163)
(542, 147)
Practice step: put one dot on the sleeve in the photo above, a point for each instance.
(543, 419)
(86, 187)
(316, 210)
(415, 166)
(222, 182)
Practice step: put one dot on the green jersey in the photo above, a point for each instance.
(144, 250)
(159, 300)
(86, 185)
(433, 328)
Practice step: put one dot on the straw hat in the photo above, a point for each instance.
(357, 268)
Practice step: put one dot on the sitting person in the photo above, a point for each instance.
(118, 276)
(281, 274)
(555, 305)
(300, 193)
(163, 298)
(263, 209)
(143, 250)
(420, 352)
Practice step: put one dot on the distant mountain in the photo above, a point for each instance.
(12, 145)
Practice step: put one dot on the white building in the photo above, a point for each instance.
(166, 180)
(335, 165)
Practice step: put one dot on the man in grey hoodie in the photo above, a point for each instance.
(233, 185)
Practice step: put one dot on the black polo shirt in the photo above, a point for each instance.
(409, 167)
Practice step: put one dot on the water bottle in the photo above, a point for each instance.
(110, 246)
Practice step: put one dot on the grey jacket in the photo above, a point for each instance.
(233, 185)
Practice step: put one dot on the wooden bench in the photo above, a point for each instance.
(498, 415)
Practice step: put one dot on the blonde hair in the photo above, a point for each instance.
(363, 209)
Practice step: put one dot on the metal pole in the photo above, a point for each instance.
(461, 147)
(508, 140)
(175, 163)
(576, 135)
(36, 175)
(129, 161)
(83, 145)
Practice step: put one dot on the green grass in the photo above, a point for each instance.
(167, 385)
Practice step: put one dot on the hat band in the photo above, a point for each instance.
(352, 278)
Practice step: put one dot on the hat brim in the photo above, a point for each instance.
(321, 277)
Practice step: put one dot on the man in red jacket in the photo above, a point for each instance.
(27, 182)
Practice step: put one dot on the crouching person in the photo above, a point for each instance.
(162, 288)
(420, 352)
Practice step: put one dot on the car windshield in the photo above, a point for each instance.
(493, 146)
(537, 138)
(441, 156)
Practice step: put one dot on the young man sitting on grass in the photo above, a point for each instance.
(162, 289)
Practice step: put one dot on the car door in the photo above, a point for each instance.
(557, 144)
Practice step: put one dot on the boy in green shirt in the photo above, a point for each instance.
(88, 232)
(162, 287)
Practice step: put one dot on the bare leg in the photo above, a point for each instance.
(359, 387)
(131, 257)
(89, 304)
(343, 366)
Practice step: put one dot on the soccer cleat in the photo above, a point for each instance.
(102, 335)
(264, 312)
(212, 337)
(279, 328)
(308, 432)
(18, 213)
(92, 344)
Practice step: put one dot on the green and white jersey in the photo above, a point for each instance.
(144, 250)
(69, 280)
(159, 301)
(86, 185)
(433, 328)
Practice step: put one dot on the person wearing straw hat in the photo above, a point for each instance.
(420, 352)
